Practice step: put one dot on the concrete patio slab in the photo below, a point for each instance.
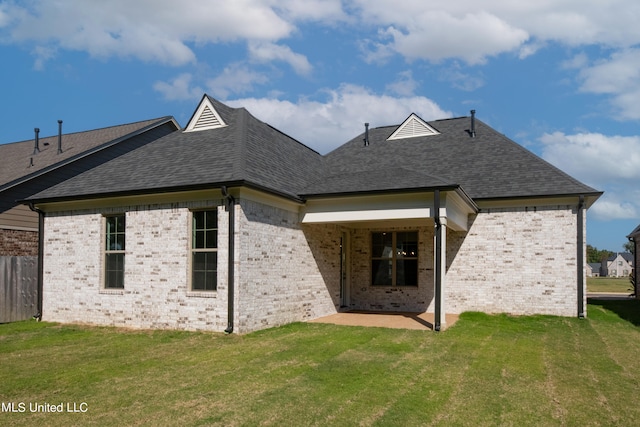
(422, 321)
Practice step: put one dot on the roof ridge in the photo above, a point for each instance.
(42, 138)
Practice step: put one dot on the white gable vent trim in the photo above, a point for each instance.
(413, 127)
(206, 117)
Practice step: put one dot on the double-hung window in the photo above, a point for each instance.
(394, 258)
(204, 251)
(114, 251)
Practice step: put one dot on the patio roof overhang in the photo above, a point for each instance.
(409, 207)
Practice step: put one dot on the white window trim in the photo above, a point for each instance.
(200, 292)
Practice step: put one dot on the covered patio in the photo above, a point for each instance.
(400, 320)
(393, 253)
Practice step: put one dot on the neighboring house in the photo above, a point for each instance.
(593, 269)
(634, 237)
(31, 166)
(619, 264)
(232, 225)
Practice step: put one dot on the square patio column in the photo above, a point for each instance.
(440, 258)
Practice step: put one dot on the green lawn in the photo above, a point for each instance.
(484, 371)
(609, 284)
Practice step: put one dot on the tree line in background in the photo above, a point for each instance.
(596, 255)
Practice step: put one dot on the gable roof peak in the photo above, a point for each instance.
(205, 117)
(413, 127)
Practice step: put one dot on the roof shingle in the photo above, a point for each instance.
(250, 152)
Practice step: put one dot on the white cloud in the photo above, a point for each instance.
(328, 11)
(4, 17)
(593, 157)
(158, 30)
(268, 52)
(612, 207)
(467, 31)
(405, 84)
(618, 76)
(529, 49)
(437, 35)
(324, 125)
(459, 79)
(607, 163)
(473, 31)
(43, 54)
(576, 62)
(179, 88)
(150, 30)
(236, 78)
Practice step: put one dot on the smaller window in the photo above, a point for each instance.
(204, 251)
(114, 252)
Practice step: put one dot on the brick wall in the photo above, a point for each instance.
(155, 294)
(18, 243)
(519, 261)
(287, 272)
(279, 277)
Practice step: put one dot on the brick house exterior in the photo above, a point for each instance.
(18, 243)
(231, 225)
(619, 264)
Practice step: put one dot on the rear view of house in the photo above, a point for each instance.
(231, 225)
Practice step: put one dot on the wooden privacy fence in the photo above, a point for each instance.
(18, 288)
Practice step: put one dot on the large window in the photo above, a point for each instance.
(394, 258)
(204, 251)
(114, 252)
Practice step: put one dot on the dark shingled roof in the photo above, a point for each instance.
(250, 152)
(247, 151)
(627, 256)
(19, 162)
(488, 166)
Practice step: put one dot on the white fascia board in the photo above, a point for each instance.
(364, 215)
(384, 208)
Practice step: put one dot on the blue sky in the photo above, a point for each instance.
(560, 77)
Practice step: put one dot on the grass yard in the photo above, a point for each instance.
(609, 284)
(484, 371)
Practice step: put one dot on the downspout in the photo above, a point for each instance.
(438, 260)
(230, 203)
(40, 257)
(580, 257)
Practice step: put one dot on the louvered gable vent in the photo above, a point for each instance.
(206, 117)
(412, 128)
